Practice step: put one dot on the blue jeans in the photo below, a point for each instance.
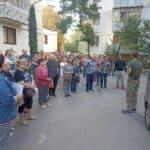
(89, 82)
(74, 84)
(103, 80)
(4, 135)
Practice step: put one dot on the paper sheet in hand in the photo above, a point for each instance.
(18, 87)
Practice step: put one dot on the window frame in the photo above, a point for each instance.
(6, 33)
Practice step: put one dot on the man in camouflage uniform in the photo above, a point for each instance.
(134, 71)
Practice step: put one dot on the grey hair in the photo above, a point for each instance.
(22, 60)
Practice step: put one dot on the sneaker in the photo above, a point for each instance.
(126, 111)
(48, 104)
(43, 106)
(32, 118)
(134, 109)
(11, 134)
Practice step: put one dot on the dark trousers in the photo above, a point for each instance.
(52, 90)
(89, 81)
(74, 84)
(103, 80)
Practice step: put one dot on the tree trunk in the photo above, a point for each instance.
(88, 50)
(118, 50)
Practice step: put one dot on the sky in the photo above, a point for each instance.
(55, 3)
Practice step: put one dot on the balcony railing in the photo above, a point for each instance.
(14, 13)
(127, 3)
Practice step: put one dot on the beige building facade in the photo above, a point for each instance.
(14, 32)
(14, 25)
(103, 27)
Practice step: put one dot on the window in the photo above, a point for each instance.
(9, 35)
(45, 39)
(123, 15)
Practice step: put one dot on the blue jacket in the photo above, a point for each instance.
(76, 70)
(8, 105)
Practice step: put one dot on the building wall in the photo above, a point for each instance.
(21, 38)
(104, 28)
(146, 10)
(51, 45)
(14, 14)
(126, 3)
(52, 35)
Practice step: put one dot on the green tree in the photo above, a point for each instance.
(88, 35)
(135, 35)
(131, 33)
(77, 11)
(64, 24)
(145, 39)
(32, 31)
(72, 44)
(111, 51)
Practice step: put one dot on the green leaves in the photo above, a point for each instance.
(64, 24)
(80, 13)
(145, 38)
(72, 44)
(32, 31)
(78, 10)
(135, 35)
(130, 33)
(88, 35)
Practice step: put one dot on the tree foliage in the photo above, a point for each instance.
(72, 44)
(88, 35)
(130, 34)
(135, 35)
(78, 11)
(50, 19)
(111, 51)
(64, 24)
(32, 31)
(145, 38)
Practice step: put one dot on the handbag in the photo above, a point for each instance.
(28, 92)
(51, 84)
(67, 76)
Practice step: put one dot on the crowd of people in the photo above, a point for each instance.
(44, 72)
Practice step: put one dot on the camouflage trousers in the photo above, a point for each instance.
(131, 93)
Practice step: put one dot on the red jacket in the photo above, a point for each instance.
(41, 75)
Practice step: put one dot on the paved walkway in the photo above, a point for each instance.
(86, 121)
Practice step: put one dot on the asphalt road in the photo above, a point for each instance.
(86, 121)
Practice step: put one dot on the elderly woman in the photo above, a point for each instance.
(23, 77)
(42, 82)
(68, 71)
(8, 106)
